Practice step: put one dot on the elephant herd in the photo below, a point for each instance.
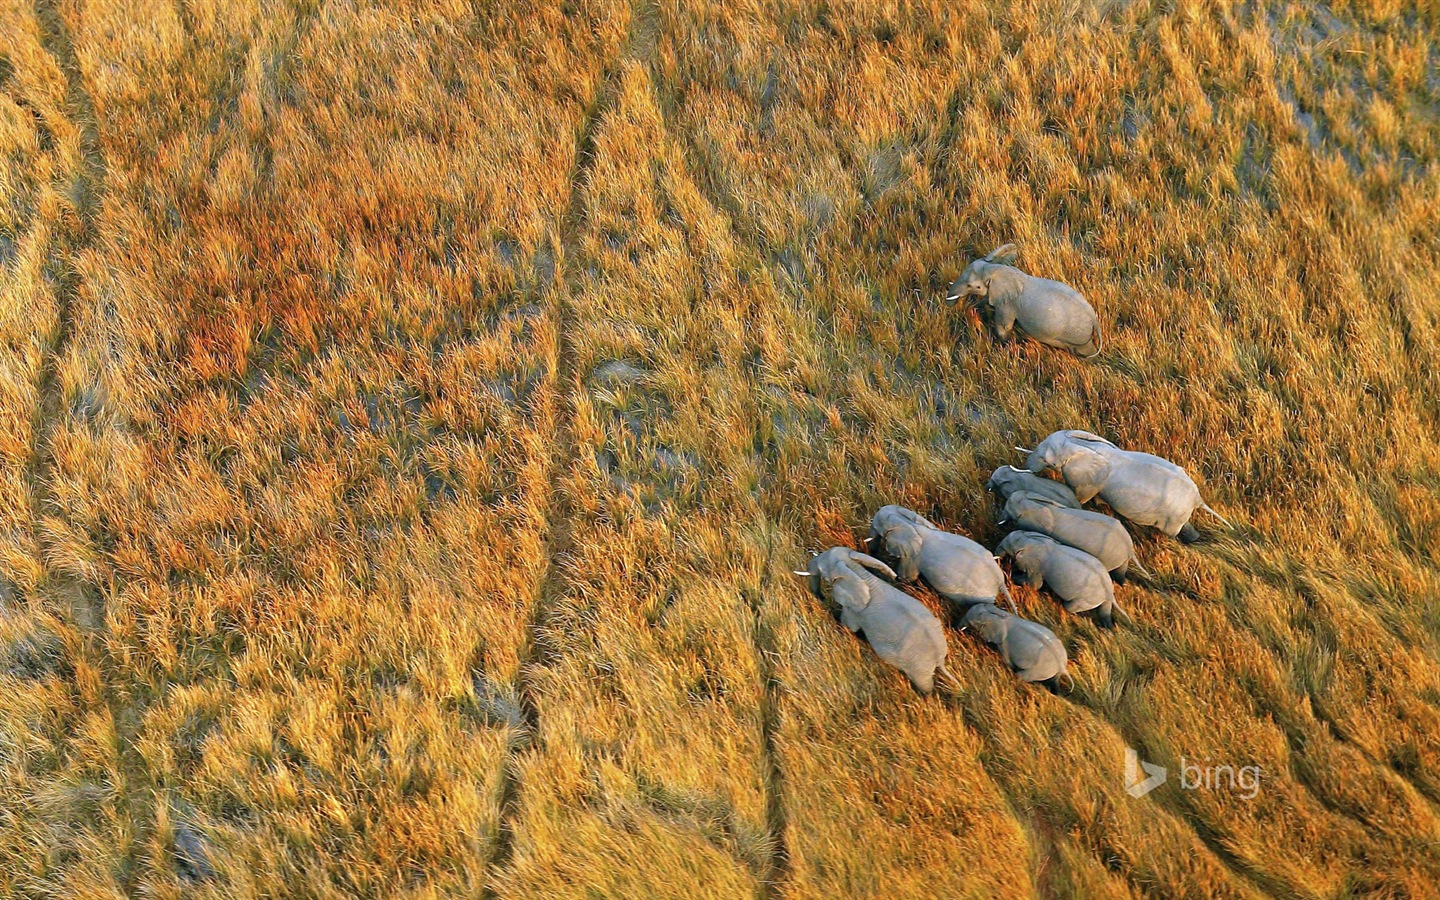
(1077, 554)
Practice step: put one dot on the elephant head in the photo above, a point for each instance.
(988, 621)
(975, 280)
(1017, 542)
(841, 574)
(1040, 508)
(1078, 456)
(900, 532)
(999, 478)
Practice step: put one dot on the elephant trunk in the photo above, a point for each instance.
(870, 562)
(870, 578)
(1034, 464)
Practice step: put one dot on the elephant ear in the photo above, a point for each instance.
(1040, 499)
(1087, 436)
(989, 624)
(871, 563)
(914, 518)
(1004, 254)
(901, 546)
(1022, 502)
(994, 630)
(1086, 472)
(850, 591)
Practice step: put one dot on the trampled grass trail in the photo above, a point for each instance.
(411, 415)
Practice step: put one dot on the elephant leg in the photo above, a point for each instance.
(1030, 676)
(1089, 348)
(1120, 574)
(1188, 534)
(1105, 614)
(924, 682)
(1004, 321)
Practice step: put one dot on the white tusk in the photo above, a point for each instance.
(798, 572)
(1206, 507)
(952, 297)
(1024, 450)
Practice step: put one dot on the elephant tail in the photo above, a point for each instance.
(1135, 561)
(1206, 507)
(1071, 678)
(1010, 601)
(1121, 610)
(948, 679)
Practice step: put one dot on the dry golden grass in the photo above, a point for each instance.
(411, 415)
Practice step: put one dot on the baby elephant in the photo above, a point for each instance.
(903, 632)
(959, 569)
(1099, 535)
(1006, 480)
(1074, 576)
(1050, 312)
(1030, 649)
(1143, 488)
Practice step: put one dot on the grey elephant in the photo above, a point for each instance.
(1031, 650)
(1052, 313)
(903, 632)
(1006, 480)
(959, 569)
(1078, 579)
(1143, 488)
(1099, 535)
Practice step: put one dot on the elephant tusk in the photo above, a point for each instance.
(952, 297)
(798, 572)
(1024, 450)
(1206, 507)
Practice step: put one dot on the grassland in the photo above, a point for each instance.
(410, 414)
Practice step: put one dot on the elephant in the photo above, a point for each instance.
(959, 569)
(1078, 579)
(903, 632)
(1006, 480)
(1099, 535)
(1145, 489)
(1052, 313)
(1031, 650)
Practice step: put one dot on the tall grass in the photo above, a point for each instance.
(412, 414)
